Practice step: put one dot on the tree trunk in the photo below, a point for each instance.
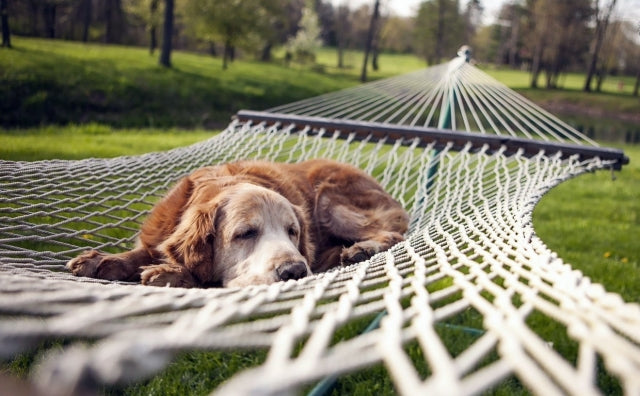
(108, 20)
(536, 66)
(440, 31)
(600, 78)
(226, 55)
(153, 40)
(165, 55)
(86, 19)
(33, 17)
(266, 52)
(4, 16)
(553, 73)
(153, 29)
(591, 71)
(513, 40)
(372, 26)
(499, 60)
(549, 79)
(601, 30)
(114, 19)
(375, 53)
(49, 14)
(342, 21)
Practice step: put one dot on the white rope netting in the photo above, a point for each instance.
(471, 263)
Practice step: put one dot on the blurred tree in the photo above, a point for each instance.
(326, 18)
(396, 34)
(611, 55)
(538, 37)
(277, 23)
(439, 29)
(150, 13)
(167, 34)
(342, 29)
(4, 19)
(49, 17)
(472, 17)
(602, 14)
(370, 38)
(305, 43)
(86, 10)
(152, 24)
(507, 33)
(483, 44)
(359, 21)
(558, 36)
(515, 13)
(230, 22)
(636, 57)
(115, 25)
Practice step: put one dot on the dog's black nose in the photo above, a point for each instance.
(292, 270)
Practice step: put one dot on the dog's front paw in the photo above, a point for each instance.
(364, 250)
(359, 251)
(167, 275)
(86, 264)
(95, 264)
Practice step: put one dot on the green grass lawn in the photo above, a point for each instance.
(69, 101)
(91, 140)
(593, 222)
(53, 81)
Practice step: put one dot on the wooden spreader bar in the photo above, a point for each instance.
(441, 137)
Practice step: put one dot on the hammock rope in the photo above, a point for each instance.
(471, 260)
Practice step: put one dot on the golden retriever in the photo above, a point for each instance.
(255, 222)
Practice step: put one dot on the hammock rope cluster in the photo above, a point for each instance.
(466, 156)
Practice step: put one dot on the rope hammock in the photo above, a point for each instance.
(468, 158)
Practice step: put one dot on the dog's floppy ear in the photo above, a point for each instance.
(191, 244)
(305, 247)
(166, 214)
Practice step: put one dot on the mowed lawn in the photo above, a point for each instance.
(70, 101)
(54, 81)
(593, 223)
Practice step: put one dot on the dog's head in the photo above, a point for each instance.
(239, 235)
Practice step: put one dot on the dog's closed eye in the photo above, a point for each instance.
(246, 234)
(293, 231)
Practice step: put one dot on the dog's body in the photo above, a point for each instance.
(256, 222)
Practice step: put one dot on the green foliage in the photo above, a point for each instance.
(307, 40)
(246, 24)
(438, 30)
(226, 21)
(149, 11)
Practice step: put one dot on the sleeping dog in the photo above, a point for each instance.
(255, 222)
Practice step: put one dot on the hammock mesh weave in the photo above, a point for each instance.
(456, 299)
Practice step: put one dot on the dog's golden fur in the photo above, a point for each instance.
(255, 222)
